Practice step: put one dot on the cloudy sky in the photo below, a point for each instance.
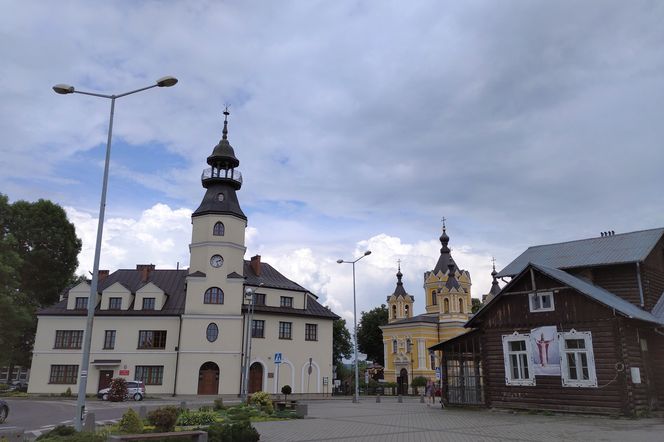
(358, 126)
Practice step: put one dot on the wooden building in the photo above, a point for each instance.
(579, 327)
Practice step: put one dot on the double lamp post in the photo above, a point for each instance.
(65, 89)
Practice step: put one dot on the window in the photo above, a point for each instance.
(212, 332)
(63, 374)
(286, 301)
(311, 332)
(257, 328)
(394, 311)
(461, 305)
(285, 330)
(4, 371)
(218, 229)
(395, 346)
(434, 298)
(446, 305)
(155, 339)
(541, 302)
(517, 359)
(109, 339)
(409, 346)
(114, 303)
(150, 374)
(148, 303)
(577, 360)
(213, 295)
(259, 298)
(405, 310)
(81, 303)
(68, 338)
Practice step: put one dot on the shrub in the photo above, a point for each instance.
(419, 381)
(118, 392)
(60, 430)
(205, 408)
(196, 417)
(163, 418)
(263, 401)
(219, 404)
(130, 422)
(286, 390)
(233, 432)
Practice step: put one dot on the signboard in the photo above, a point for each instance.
(546, 355)
(325, 380)
(437, 373)
(277, 358)
(337, 383)
(124, 373)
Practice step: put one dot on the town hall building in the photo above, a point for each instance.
(184, 331)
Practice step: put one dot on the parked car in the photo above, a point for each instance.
(18, 386)
(135, 391)
(4, 410)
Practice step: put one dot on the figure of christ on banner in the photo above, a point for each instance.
(546, 355)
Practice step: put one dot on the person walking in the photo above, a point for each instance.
(430, 392)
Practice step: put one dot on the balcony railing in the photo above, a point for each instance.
(232, 174)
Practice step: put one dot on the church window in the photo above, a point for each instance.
(212, 332)
(394, 311)
(518, 360)
(405, 309)
(461, 305)
(434, 299)
(395, 345)
(409, 346)
(446, 305)
(213, 295)
(218, 229)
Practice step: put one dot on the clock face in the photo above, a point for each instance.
(216, 261)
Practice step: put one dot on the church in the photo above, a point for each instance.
(407, 337)
(189, 331)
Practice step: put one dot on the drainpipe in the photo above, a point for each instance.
(638, 279)
(177, 358)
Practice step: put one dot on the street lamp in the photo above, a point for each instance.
(250, 295)
(356, 398)
(65, 89)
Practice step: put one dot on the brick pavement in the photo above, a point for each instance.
(412, 421)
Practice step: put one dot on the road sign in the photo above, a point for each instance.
(277, 358)
(437, 373)
(325, 380)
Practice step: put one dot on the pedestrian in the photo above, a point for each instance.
(430, 392)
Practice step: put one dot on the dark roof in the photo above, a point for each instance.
(314, 309)
(172, 282)
(424, 317)
(658, 309)
(399, 291)
(614, 249)
(269, 277)
(582, 286)
(211, 204)
(463, 335)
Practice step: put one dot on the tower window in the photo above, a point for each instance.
(446, 305)
(405, 310)
(461, 305)
(394, 312)
(213, 295)
(434, 300)
(212, 332)
(218, 229)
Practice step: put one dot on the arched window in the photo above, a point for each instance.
(405, 309)
(446, 305)
(434, 299)
(409, 346)
(212, 332)
(395, 346)
(461, 305)
(218, 229)
(214, 295)
(394, 311)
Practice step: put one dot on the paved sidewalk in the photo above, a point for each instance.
(412, 421)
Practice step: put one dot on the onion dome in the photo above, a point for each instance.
(399, 291)
(495, 287)
(445, 258)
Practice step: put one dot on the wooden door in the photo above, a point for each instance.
(403, 382)
(208, 378)
(255, 377)
(105, 377)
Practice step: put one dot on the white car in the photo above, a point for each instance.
(135, 391)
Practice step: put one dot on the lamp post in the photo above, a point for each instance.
(65, 89)
(250, 295)
(356, 398)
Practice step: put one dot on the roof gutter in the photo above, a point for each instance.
(638, 279)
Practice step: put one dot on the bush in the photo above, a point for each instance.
(419, 381)
(196, 417)
(118, 392)
(131, 423)
(219, 404)
(163, 418)
(263, 401)
(286, 390)
(233, 432)
(60, 430)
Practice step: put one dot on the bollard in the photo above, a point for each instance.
(183, 405)
(89, 426)
(400, 400)
(378, 399)
(422, 399)
(142, 412)
(301, 410)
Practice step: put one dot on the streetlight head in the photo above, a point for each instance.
(63, 89)
(340, 261)
(167, 81)
(368, 252)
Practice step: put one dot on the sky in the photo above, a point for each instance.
(358, 125)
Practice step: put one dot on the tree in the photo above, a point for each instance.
(341, 346)
(370, 336)
(476, 304)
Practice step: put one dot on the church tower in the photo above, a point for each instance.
(399, 303)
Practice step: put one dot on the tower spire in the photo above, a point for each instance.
(224, 132)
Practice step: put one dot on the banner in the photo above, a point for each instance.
(546, 354)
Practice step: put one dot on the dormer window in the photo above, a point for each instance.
(541, 302)
(218, 229)
(114, 303)
(148, 303)
(81, 303)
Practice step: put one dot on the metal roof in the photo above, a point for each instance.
(615, 249)
(658, 309)
(424, 317)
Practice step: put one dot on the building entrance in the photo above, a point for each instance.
(402, 382)
(208, 378)
(255, 377)
(105, 377)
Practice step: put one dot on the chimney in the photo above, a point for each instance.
(101, 275)
(145, 270)
(256, 264)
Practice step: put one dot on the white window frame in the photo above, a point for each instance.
(509, 380)
(537, 296)
(564, 366)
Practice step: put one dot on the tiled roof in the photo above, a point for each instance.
(314, 309)
(614, 249)
(269, 277)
